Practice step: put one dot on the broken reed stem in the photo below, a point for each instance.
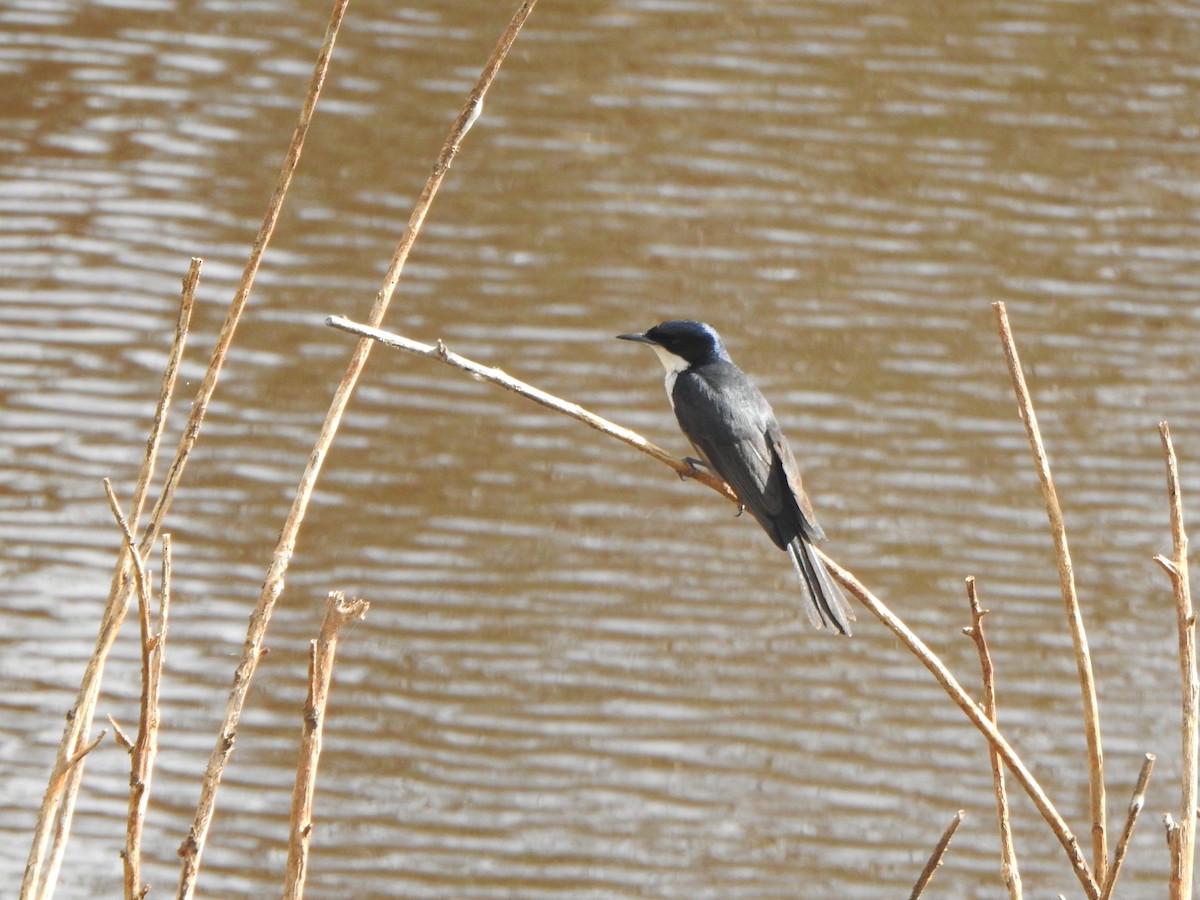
(1009, 873)
(1181, 836)
(935, 859)
(439, 352)
(338, 611)
(273, 583)
(1135, 808)
(58, 804)
(1066, 577)
(873, 604)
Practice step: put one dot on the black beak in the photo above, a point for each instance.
(640, 338)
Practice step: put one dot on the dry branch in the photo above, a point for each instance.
(915, 644)
(1066, 577)
(1181, 835)
(1009, 873)
(440, 352)
(338, 611)
(273, 583)
(935, 858)
(58, 803)
(145, 747)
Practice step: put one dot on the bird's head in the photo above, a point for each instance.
(681, 343)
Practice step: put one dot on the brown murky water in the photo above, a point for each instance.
(580, 677)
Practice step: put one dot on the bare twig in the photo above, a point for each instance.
(58, 803)
(1135, 807)
(1181, 836)
(273, 583)
(973, 712)
(439, 352)
(1009, 872)
(338, 611)
(1066, 577)
(935, 858)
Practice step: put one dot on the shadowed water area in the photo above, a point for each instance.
(580, 677)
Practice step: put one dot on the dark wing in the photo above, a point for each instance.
(791, 472)
(736, 433)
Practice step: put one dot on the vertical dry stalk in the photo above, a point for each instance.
(973, 712)
(145, 747)
(1135, 808)
(273, 584)
(1009, 872)
(935, 858)
(338, 611)
(54, 816)
(1181, 836)
(1066, 577)
(142, 750)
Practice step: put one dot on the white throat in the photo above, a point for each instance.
(674, 365)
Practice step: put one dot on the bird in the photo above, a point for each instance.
(733, 428)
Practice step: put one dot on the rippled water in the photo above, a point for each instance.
(580, 677)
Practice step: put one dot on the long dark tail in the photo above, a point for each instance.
(827, 605)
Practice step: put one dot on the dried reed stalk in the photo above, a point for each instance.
(58, 803)
(143, 749)
(273, 584)
(338, 611)
(1181, 835)
(1009, 873)
(1066, 577)
(935, 858)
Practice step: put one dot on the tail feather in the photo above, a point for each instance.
(827, 605)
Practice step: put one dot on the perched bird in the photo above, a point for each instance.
(732, 427)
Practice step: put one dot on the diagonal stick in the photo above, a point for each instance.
(926, 656)
(935, 858)
(440, 352)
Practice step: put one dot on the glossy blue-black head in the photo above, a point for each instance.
(693, 342)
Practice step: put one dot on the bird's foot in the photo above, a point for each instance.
(693, 465)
